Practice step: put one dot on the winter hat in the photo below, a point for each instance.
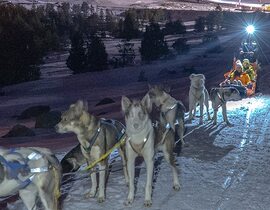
(246, 61)
(238, 64)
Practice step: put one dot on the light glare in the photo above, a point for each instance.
(250, 29)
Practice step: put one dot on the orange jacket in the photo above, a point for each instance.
(244, 78)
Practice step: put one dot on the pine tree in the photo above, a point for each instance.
(76, 60)
(153, 45)
(127, 53)
(97, 57)
(130, 26)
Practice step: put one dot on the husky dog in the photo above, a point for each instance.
(96, 137)
(198, 94)
(142, 140)
(219, 97)
(172, 111)
(33, 172)
(73, 160)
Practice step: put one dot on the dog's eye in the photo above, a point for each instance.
(141, 115)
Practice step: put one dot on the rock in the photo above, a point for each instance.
(48, 120)
(105, 101)
(34, 111)
(19, 131)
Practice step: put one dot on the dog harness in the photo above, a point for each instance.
(102, 122)
(142, 145)
(221, 98)
(92, 141)
(198, 98)
(16, 170)
(176, 122)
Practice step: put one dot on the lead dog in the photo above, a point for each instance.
(198, 94)
(172, 111)
(33, 172)
(142, 140)
(219, 97)
(96, 137)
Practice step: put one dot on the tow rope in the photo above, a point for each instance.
(122, 141)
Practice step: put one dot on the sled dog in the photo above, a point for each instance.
(142, 140)
(198, 94)
(219, 97)
(96, 137)
(33, 172)
(73, 160)
(172, 111)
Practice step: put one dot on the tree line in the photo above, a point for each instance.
(27, 35)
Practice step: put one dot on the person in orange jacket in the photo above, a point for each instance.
(239, 74)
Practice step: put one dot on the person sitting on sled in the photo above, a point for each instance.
(248, 68)
(239, 75)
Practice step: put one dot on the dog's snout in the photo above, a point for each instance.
(136, 125)
(56, 127)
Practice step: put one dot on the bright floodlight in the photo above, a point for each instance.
(250, 29)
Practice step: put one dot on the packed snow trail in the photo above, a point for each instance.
(223, 168)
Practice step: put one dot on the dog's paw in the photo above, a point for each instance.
(90, 194)
(229, 124)
(128, 202)
(176, 187)
(101, 199)
(147, 203)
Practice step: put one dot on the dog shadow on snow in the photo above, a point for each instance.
(199, 145)
(200, 141)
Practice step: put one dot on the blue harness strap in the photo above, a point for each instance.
(14, 168)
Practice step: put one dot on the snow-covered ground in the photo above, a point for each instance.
(222, 168)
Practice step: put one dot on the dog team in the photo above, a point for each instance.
(36, 172)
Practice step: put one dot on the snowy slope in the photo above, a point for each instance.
(222, 168)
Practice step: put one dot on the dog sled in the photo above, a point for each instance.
(244, 90)
(243, 75)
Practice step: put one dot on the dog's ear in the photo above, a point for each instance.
(125, 103)
(146, 102)
(191, 76)
(201, 82)
(202, 76)
(79, 107)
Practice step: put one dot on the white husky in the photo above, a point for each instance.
(198, 94)
(142, 140)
